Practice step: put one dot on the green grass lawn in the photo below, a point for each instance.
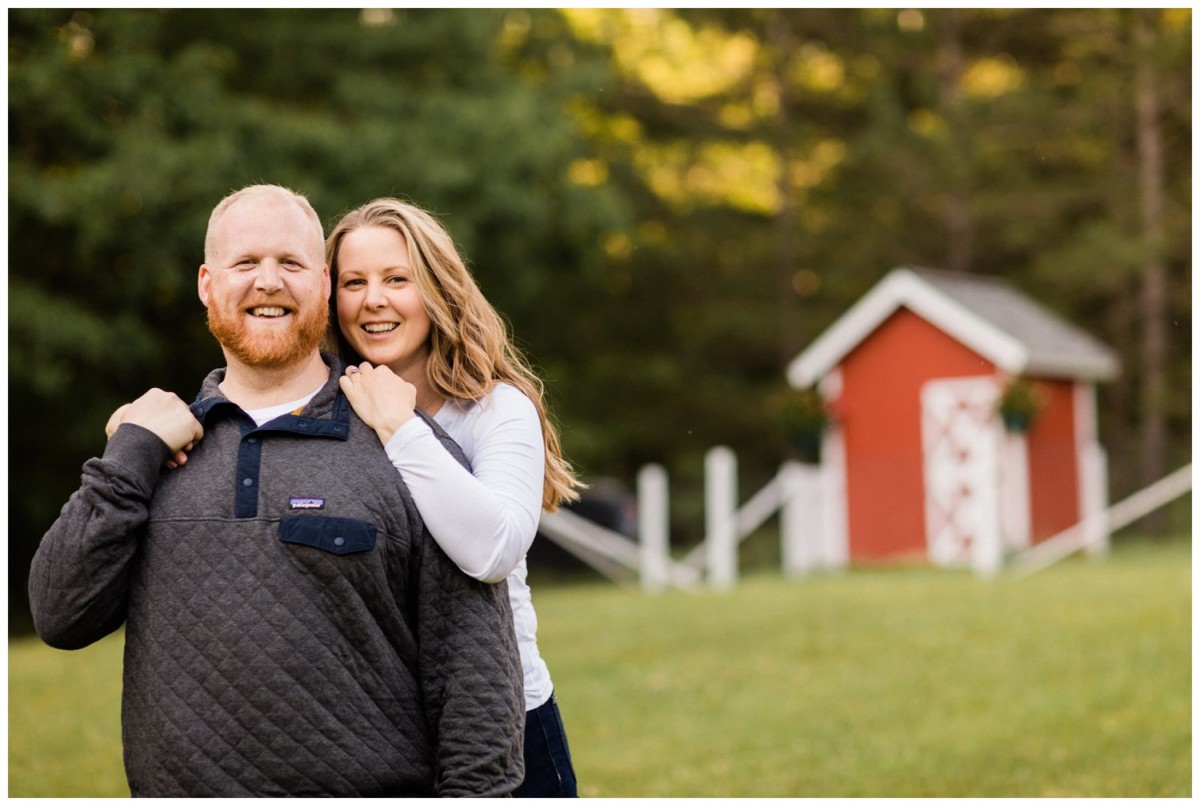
(64, 720)
(907, 682)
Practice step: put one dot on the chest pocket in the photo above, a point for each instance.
(334, 535)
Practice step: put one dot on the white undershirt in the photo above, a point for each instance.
(484, 519)
(266, 415)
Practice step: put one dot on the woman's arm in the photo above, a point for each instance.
(485, 520)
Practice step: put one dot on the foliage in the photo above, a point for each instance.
(1019, 404)
(996, 141)
(805, 418)
(903, 683)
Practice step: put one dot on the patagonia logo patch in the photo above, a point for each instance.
(306, 503)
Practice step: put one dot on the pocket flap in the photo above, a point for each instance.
(335, 535)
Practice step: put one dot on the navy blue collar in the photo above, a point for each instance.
(326, 415)
(337, 425)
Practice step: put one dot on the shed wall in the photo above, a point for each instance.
(880, 412)
(1054, 463)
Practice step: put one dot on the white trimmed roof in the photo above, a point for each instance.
(1003, 325)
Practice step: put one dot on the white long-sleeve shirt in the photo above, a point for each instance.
(484, 519)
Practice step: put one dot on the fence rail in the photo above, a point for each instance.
(797, 495)
(1089, 531)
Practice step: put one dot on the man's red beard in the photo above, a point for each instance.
(269, 350)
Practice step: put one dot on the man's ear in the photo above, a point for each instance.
(327, 283)
(203, 282)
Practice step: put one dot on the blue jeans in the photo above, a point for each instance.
(548, 770)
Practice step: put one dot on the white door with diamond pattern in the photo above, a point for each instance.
(961, 437)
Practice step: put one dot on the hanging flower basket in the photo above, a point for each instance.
(805, 420)
(1019, 405)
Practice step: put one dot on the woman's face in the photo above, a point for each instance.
(379, 307)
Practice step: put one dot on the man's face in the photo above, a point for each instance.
(267, 285)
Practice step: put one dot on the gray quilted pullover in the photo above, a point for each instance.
(291, 627)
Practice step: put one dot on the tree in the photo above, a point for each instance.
(1154, 271)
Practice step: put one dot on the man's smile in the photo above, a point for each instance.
(268, 312)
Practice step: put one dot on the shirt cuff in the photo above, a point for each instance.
(139, 450)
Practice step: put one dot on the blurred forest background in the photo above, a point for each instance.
(667, 205)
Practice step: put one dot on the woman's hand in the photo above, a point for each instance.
(166, 416)
(380, 397)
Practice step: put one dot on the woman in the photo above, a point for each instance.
(417, 332)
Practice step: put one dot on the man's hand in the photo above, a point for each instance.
(164, 414)
(381, 398)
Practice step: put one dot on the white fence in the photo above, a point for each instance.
(799, 495)
(1091, 534)
(794, 493)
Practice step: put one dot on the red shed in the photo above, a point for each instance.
(918, 464)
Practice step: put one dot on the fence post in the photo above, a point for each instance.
(796, 553)
(720, 506)
(1015, 518)
(1094, 482)
(986, 549)
(653, 526)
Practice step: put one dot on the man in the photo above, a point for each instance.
(291, 627)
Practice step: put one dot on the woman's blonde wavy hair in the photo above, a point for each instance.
(470, 347)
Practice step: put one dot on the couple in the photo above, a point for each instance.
(305, 559)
